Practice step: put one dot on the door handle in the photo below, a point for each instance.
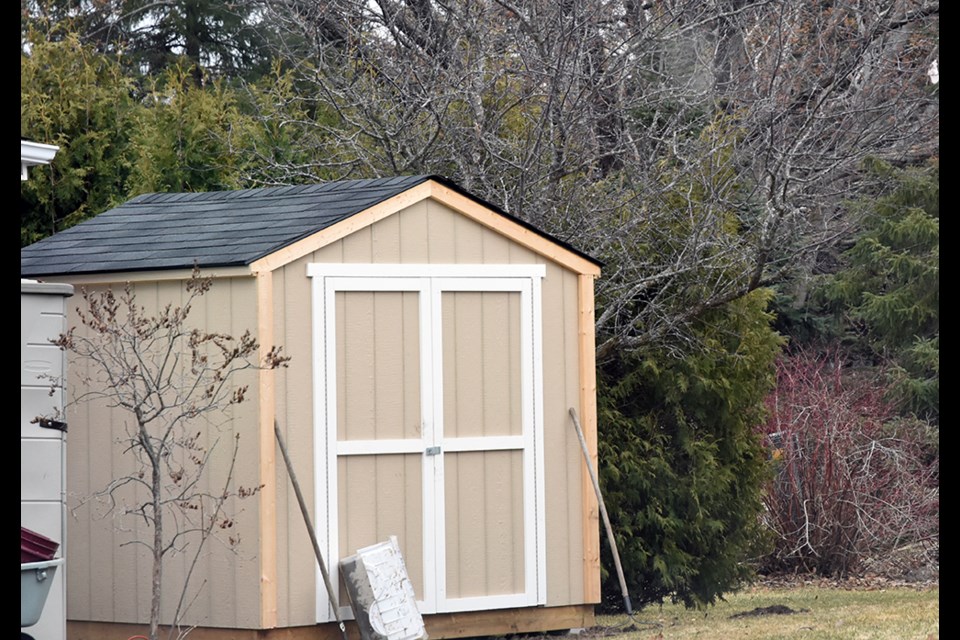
(432, 451)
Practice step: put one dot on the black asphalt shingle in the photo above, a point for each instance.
(212, 229)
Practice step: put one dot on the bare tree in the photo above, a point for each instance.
(175, 383)
(702, 149)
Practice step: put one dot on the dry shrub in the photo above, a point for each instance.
(851, 479)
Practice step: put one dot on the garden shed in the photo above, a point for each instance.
(437, 345)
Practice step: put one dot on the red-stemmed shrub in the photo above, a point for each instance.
(852, 480)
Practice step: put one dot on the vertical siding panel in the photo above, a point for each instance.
(396, 503)
(496, 249)
(389, 382)
(386, 240)
(295, 389)
(512, 486)
(80, 470)
(330, 253)
(574, 456)
(96, 536)
(503, 522)
(412, 412)
(411, 526)
(441, 234)
(563, 460)
(379, 497)
(455, 539)
(451, 371)
(414, 234)
(356, 362)
(481, 399)
(484, 520)
(495, 364)
(244, 565)
(357, 475)
(118, 578)
(556, 465)
(463, 397)
(467, 237)
(134, 562)
(211, 313)
(358, 246)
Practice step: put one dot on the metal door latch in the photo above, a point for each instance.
(433, 451)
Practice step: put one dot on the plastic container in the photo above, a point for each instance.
(35, 547)
(35, 581)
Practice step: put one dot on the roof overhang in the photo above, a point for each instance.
(34, 153)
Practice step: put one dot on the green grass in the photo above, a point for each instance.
(834, 614)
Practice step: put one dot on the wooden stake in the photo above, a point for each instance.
(603, 513)
(310, 529)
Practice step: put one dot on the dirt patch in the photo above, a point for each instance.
(914, 565)
(772, 610)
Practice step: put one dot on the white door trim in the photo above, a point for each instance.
(430, 282)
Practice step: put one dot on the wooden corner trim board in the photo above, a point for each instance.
(588, 418)
(446, 196)
(268, 493)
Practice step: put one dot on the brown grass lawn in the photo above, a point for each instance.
(893, 613)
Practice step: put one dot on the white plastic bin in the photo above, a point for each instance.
(35, 581)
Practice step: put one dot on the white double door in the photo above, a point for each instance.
(427, 404)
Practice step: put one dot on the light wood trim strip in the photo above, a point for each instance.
(516, 232)
(499, 622)
(343, 228)
(588, 415)
(445, 625)
(268, 473)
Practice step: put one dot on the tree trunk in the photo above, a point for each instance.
(157, 589)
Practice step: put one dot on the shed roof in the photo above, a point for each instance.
(217, 229)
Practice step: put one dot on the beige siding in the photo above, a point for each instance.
(296, 570)
(481, 364)
(378, 397)
(378, 353)
(382, 496)
(484, 523)
(108, 577)
(561, 390)
(428, 232)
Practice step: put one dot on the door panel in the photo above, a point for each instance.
(481, 364)
(484, 523)
(380, 496)
(378, 365)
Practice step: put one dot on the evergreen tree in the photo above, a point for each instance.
(118, 139)
(681, 464)
(78, 99)
(213, 39)
(887, 297)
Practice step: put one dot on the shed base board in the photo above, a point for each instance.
(447, 625)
